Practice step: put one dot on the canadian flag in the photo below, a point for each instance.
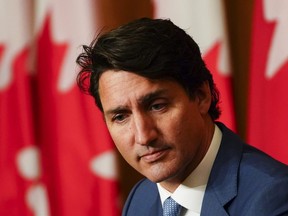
(57, 158)
(209, 31)
(19, 155)
(268, 101)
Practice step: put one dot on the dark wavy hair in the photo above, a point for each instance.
(152, 48)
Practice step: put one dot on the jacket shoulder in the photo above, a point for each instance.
(143, 198)
(259, 182)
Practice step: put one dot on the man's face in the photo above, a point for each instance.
(157, 128)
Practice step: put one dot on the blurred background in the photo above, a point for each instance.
(56, 156)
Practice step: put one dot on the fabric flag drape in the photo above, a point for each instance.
(268, 102)
(208, 29)
(57, 158)
(19, 154)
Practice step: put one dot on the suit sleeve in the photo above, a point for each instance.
(272, 200)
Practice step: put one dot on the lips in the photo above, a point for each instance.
(154, 156)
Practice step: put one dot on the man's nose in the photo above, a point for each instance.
(145, 130)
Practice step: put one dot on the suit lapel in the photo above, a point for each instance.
(156, 208)
(222, 184)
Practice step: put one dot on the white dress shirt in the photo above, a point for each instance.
(190, 192)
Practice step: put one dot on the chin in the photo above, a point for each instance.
(159, 172)
(160, 177)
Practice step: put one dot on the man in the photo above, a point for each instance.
(160, 105)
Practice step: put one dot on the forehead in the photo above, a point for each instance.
(120, 83)
(112, 78)
(118, 87)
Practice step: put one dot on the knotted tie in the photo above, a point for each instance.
(171, 207)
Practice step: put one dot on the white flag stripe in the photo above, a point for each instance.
(15, 36)
(276, 11)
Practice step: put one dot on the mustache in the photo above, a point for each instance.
(152, 147)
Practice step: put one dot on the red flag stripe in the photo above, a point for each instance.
(267, 122)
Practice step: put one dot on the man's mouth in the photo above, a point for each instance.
(154, 155)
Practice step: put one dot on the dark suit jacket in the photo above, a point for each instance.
(243, 181)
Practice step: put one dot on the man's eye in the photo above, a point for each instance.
(119, 118)
(158, 106)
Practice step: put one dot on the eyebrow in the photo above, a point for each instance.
(144, 100)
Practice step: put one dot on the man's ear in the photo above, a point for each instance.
(203, 96)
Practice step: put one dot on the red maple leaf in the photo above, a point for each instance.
(267, 119)
(1, 51)
(16, 128)
(71, 132)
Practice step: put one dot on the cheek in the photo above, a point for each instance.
(178, 125)
(119, 140)
(128, 154)
(187, 132)
(123, 143)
